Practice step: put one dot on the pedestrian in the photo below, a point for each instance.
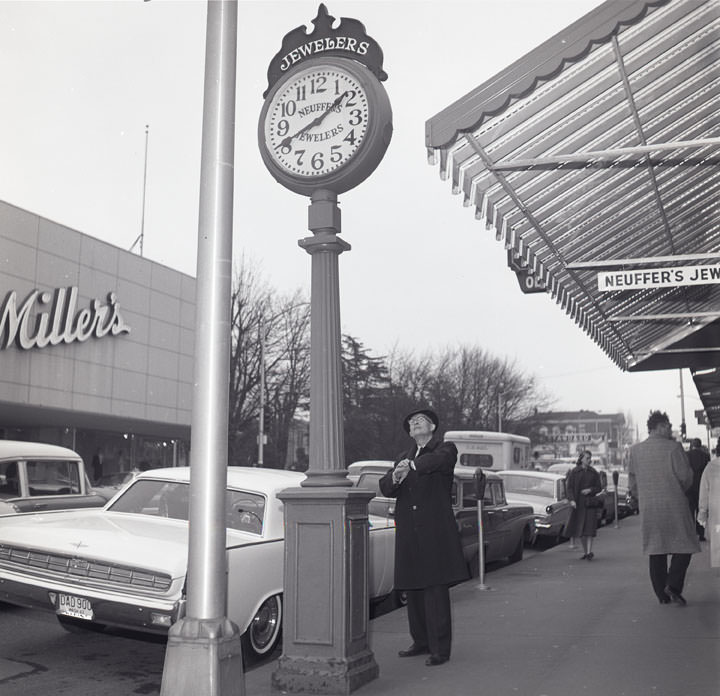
(698, 459)
(659, 476)
(428, 552)
(709, 506)
(583, 483)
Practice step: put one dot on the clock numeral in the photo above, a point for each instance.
(288, 108)
(355, 117)
(335, 154)
(299, 160)
(300, 94)
(317, 84)
(317, 161)
(350, 137)
(283, 127)
(351, 96)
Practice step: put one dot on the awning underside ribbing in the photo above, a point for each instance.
(599, 151)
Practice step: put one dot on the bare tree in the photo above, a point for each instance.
(258, 316)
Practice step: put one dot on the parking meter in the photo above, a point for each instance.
(480, 482)
(616, 478)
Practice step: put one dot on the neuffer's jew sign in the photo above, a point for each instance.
(46, 318)
(611, 281)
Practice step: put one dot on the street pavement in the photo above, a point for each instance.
(551, 625)
(555, 625)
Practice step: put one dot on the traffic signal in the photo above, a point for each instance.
(683, 430)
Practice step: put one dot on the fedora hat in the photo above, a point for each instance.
(424, 412)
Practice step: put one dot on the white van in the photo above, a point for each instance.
(491, 450)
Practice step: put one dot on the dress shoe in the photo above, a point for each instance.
(435, 660)
(664, 600)
(413, 650)
(590, 556)
(675, 596)
(583, 557)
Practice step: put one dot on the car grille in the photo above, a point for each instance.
(88, 572)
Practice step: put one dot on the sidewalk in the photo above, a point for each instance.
(553, 625)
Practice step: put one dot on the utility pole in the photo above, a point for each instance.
(683, 426)
(500, 397)
(261, 413)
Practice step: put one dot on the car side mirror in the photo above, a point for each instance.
(616, 478)
(480, 481)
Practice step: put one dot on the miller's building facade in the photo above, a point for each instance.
(96, 347)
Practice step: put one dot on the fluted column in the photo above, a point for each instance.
(327, 450)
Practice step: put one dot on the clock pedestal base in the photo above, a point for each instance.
(327, 607)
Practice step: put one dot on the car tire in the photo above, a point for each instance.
(263, 633)
(517, 554)
(72, 625)
(400, 598)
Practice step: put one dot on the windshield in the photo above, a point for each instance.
(244, 511)
(529, 485)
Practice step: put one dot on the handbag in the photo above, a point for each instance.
(592, 501)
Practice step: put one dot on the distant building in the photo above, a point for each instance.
(558, 434)
(96, 347)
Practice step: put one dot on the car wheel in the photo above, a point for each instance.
(263, 633)
(72, 625)
(517, 554)
(400, 598)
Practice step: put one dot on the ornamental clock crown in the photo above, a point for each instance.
(348, 40)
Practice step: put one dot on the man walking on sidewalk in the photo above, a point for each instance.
(659, 476)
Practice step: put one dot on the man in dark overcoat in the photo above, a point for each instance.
(428, 552)
(659, 476)
(698, 459)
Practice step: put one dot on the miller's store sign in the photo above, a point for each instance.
(46, 318)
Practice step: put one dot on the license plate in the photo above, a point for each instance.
(77, 607)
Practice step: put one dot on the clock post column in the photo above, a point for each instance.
(325, 627)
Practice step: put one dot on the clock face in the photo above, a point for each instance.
(317, 121)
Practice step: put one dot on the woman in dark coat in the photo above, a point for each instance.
(582, 485)
(428, 551)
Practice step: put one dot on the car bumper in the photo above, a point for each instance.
(149, 615)
(548, 528)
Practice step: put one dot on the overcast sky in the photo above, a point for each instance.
(81, 80)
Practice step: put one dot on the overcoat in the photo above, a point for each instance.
(659, 476)
(709, 508)
(428, 550)
(583, 519)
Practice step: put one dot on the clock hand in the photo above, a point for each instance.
(315, 122)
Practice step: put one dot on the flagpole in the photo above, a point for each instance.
(141, 237)
(142, 220)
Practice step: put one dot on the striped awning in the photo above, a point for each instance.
(595, 160)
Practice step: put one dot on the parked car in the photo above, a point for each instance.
(627, 505)
(506, 527)
(546, 492)
(356, 468)
(38, 476)
(125, 565)
(607, 511)
(108, 485)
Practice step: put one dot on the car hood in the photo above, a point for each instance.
(138, 540)
(537, 503)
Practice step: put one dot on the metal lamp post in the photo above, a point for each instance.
(204, 655)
